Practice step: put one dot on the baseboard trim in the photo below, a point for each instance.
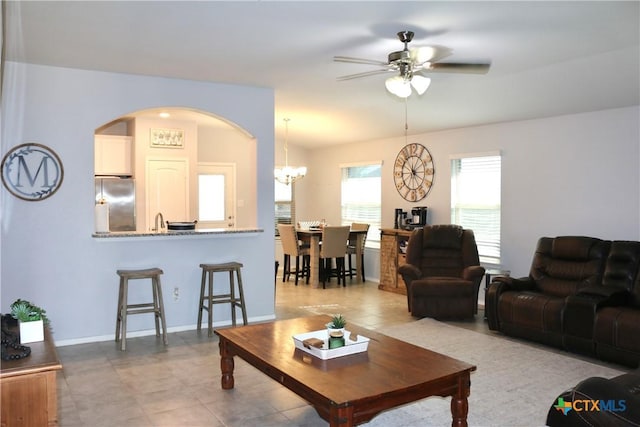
(147, 332)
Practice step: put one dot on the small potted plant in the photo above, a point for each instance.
(31, 320)
(338, 322)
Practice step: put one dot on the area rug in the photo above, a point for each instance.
(514, 385)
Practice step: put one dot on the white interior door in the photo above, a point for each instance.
(167, 190)
(216, 195)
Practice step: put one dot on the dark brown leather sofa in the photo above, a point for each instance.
(582, 295)
(442, 273)
(605, 319)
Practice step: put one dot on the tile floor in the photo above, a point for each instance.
(179, 385)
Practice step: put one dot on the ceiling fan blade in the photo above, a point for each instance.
(358, 60)
(432, 53)
(456, 67)
(365, 74)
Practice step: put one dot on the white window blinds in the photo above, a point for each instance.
(475, 201)
(361, 198)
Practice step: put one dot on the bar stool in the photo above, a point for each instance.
(207, 301)
(156, 307)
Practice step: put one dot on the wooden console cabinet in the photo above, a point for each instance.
(391, 258)
(28, 387)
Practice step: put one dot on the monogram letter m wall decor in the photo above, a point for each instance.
(32, 171)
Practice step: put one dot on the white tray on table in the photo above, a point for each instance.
(351, 347)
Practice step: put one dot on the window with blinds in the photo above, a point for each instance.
(475, 201)
(361, 198)
(285, 204)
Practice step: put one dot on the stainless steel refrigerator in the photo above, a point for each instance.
(120, 194)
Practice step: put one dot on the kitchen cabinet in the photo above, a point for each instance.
(28, 386)
(113, 155)
(392, 257)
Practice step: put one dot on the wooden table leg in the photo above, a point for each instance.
(359, 240)
(459, 402)
(314, 265)
(341, 417)
(226, 365)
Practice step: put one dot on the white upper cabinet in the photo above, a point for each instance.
(113, 155)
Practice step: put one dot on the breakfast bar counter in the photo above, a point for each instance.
(204, 232)
(179, 255)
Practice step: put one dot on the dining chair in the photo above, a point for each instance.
(352, 249)
(291, 247)
(334, 246)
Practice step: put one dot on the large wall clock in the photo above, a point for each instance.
(413, 172)
(32, 171)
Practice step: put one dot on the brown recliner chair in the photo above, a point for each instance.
(442, 273)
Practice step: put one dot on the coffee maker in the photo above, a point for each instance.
(419, 216)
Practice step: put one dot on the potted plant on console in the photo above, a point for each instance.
(31, 320)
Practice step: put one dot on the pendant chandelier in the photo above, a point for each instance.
(288, 174)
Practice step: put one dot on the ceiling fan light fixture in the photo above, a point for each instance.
(409, 63)
(398, 86)
(423, 54)
(420, 84)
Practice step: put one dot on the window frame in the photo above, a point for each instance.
(488, 239)
(291, 203)
(373, 236)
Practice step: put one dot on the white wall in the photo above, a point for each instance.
(568, 175)
(48, 254)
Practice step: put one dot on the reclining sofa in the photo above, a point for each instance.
(598, 401)
(582, 295)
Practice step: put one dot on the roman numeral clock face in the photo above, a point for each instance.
(413, 172)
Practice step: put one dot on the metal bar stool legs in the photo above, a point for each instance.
(208, 298)
(124, 308)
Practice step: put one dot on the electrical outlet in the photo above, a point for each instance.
(176, 294)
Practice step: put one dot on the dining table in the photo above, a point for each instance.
(314, 237)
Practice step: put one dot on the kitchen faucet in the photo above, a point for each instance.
(159, 216)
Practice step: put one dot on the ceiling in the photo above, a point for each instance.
(548, 58)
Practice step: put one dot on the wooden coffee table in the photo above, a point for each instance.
(353, 389)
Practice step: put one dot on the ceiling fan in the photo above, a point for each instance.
(411, 64)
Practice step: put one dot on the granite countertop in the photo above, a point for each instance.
(211, 232)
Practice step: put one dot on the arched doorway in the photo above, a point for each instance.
(167, 153)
